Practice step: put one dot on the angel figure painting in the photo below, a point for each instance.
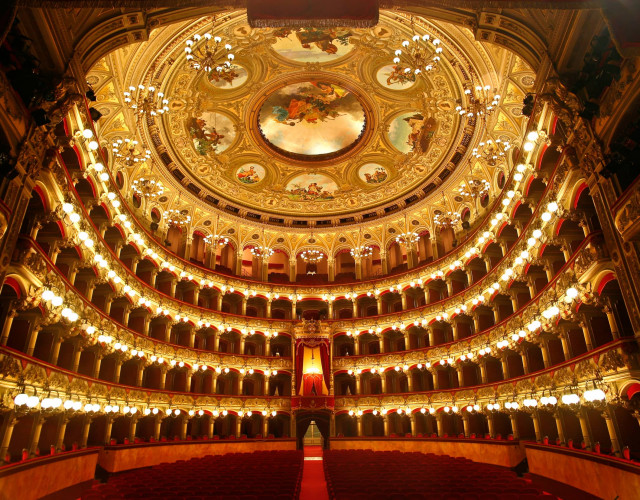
(312, 44)
(395, 77)
(312, 118)
(412, 132)
(211, 132)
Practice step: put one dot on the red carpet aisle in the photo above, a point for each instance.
(314, 486)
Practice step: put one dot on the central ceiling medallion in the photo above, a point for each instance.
(312, 120)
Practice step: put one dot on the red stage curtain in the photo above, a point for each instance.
(325, 363)
(299, 361)
(312, 13)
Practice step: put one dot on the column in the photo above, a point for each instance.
(152, 278)
(414, 427)
(55, 350)
(243, 340)
(62, 426)
(85, 431)
(449, 286)
(354, 303)
(172, 289)
(386, 424)
(513, 417)
(140, 375)
(6, 437)
(483, 372)
(505, 366)
(384, 262)
(125, 314)
(77, 352)
(409, 381)
(454, 329)
(269, 302)
(439, 424)
(239, 426)
(566, 349)
(358, 383)
(6, 328)
(183, 427)
(560, 426)
(356, 346)
(117, 370)
(97, 364)
(91, 286)
(219, 301)
(545, 354)
(266, 385)
(412, 256)
(34, 330)
(476, 322)
(613, 324)
(358, 261)
(465, 423)
(292, 269)
(430, 334)
(294, 304)
(403, 296)
(381, 341)
(331, 268)
(209, 428)
(238, 268)
(163, 378)
(434, 374)
(265, 426)
(244, 306)
(187, 385)
(491, 423)
(359, 425)
(525, 362)
(514, 299)
(157, 425)
(613, 433)
(469, 273)
(133, 425)
(107, 429)
(584, 428)
(240, 384)
(196, 295)
(536, 426)
(383, 382)
(460, 371)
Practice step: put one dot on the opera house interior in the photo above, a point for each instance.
(357, 249)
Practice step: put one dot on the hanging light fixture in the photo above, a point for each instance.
(481, 102)
(216, 239)
(361, 251)
(491, 151)
(262, 251)
(145, 100)
(418, 56)
(312, 255)
(128, 153)
(177, 217)
(407, 238)
(208, 53)
(147, 188)
(446, 219)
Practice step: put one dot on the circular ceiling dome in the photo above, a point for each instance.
(312, 120)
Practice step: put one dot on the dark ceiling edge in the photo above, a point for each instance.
(384, 4)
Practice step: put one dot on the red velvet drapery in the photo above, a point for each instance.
(325, 362)
(312, 13)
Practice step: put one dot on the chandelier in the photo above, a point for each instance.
(262, 251)
(145, 100)
(481, 101)
(475, 188)
(177, 217)
(147, 188)
(312, 255)
(418, 56)
(126, 151)
(408, 238)
(491, 151)
(216, 239)
(209, 55)
(361, 252)
(446, 219)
